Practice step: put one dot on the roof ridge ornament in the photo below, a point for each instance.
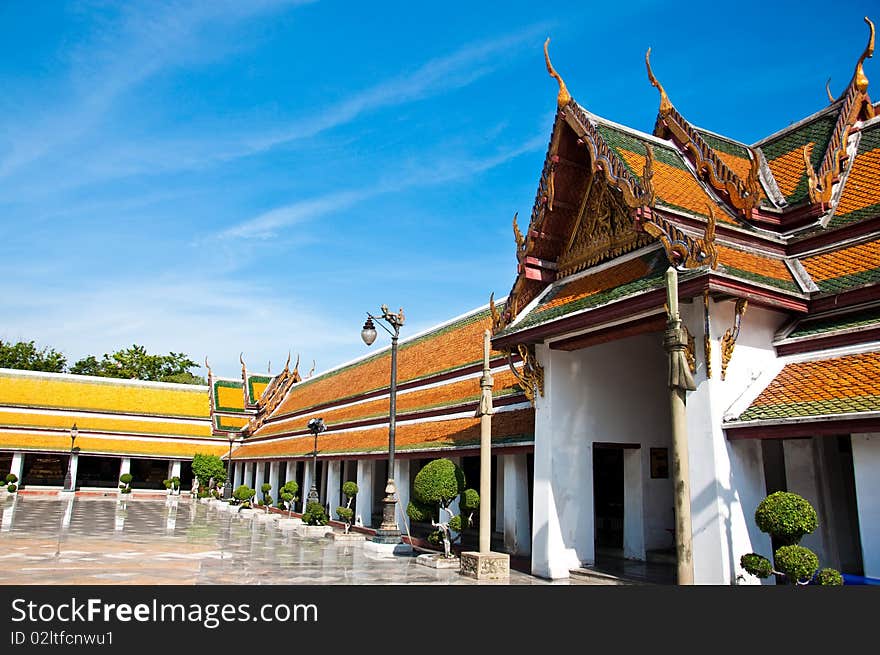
(564, 97)
(828, 91)
(861, 81)
(665, 104)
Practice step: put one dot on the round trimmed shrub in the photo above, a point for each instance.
(438, 482)
(345, 514)
(11, 488)
(166, 484)
(126, 478)
(419, 512)
(11, 478)
(266, 488)
(757, 565)
(455, 523)
(470, 501)
(314, 514)
(797, 562)
(829, 578)
(786, 517)
(350, 489)
(243, 494)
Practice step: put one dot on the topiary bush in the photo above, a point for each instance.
(435, 488)
(267, 499)
(243, 496)
(787, 517)
(11, 488)
(125, 480)
(345, 514)
(11, 478)
(314, 514)
(287, 495)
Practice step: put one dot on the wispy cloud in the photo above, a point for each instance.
(438, 172)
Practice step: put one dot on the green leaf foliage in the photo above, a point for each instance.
(798, 563)
(757, 565)
(345, 514)
(829, 578)
(786, 517)
(314, 514)
(24, 355)
(350, 489)
(439, 482)
(11, 488)
(469, 502)
(205, 467)
(137, 364)
(126, 478)
(455, 523)
(244, 493)
(419, 512)
(266, 487)
(11, 477)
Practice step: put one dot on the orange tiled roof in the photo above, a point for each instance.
(840, 385)
(87, 444)
(845, 268)
(513, 426)
(861, 191)
(442, 349)
(757, 267)
(454, 393)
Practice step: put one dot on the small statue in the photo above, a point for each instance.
(194, 490)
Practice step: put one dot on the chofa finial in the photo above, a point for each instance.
(564, 97)
(828, 91)
(860, 78)
(665, 104)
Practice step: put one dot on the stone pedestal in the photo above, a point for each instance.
(312, 531)
(288, 523)
(350, 537)
(247, 513)
(438, 561)
(485, 566)
(386, 550)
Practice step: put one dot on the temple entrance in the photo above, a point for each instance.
(148, 473)
(44, 469)
(608, 498)
(97, 471)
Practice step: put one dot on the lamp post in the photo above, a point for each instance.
(388, 532)
(316, 427)
(68, 477)
(227, 488)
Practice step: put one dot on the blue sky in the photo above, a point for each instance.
(227, 176)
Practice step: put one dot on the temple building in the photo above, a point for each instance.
(777, 250)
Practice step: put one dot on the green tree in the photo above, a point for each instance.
(26, 356)
(205, 467)
(136, 363)
(435, 488)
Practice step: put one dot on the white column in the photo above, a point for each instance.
(333, 501)
(124, 466)
(364, 499)
(260, 479)
(322, 484)
(513, 473)
(499, 495)
(248, 474)
(802, 478)
(74, 465)
(273, 479)
(401, 481)
(17, 466)
(633, 505)
(866, 471)
(175, 468)
(290, 471)
(237, 474)
(307, 483)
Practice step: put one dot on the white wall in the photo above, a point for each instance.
(613, 392)
(727, 478)
(866, 465)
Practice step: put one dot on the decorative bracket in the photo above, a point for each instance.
(682, 250)
(531, 376)
(690, 351)
(728, 341)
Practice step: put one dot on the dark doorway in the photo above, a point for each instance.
(44, 469)
(148, 473)
(5, 465)
(94, 471)
(608, 497)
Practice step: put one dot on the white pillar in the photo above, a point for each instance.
(17, 466)
(124, 466)
(307, 483)
(802, 478)
(401, 481)
(513, 473)
(322, 484)
(290, 472)
(333, 500)
(633, 505)
(866, 471)
(248, 477)
(499, 495)
(237, 475)
(260, 479)
(74, 465)
(175, 468)
(273, 479)
(364, 499)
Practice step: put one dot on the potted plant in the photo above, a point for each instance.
(11, 485)
(346, 514)
(266, 502)
(787, 517)
(167, 485)
(125, 483)
(243, 496)
(175, 485)
(435, 488)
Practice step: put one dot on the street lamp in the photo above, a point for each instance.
(388, 532)
(227, 488)
(68, 477)
(316, 427)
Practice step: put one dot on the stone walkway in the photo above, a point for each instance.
(101, 541)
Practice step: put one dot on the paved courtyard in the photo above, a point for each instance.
(98, 540)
